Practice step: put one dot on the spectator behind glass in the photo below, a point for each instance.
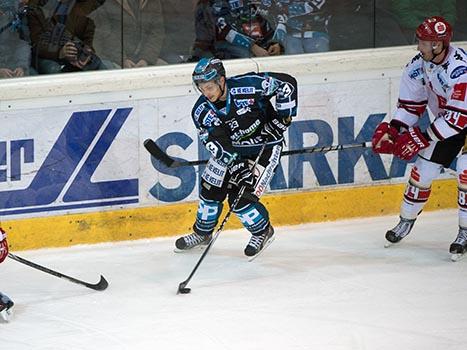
(142, 32)
(411, 13)
(64, 41)
(15, 48)
(352, 24)
(179, 30)
(301, 26)
(232, 29)
(461, 26)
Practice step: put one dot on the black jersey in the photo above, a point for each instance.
(236, 126)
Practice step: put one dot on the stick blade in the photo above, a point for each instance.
(157, 153)
(101, 285)
(182, 289)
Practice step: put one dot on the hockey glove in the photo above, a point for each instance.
(383, 138)
(3, 245)
(274, 130)
(240, 174)
(410, 143)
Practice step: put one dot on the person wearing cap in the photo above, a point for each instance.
(243, 130)
(436, 78)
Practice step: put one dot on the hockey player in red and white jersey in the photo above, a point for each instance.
(5, 303)
(435, 78)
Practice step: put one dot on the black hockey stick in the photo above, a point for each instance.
(168, 161)
(101, 285)
(182, 286)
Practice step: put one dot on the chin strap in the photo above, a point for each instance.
(222, 88)
(444, 50)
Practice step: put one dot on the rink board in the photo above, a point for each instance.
(73, 168)
(175, 219)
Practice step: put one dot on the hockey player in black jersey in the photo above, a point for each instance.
(235, 117)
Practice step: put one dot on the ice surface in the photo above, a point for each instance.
(318, 286)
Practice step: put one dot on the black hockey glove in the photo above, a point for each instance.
(240, 174)
(274, 130)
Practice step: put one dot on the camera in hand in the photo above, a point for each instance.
(84, 52)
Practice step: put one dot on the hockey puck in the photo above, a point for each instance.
(184, 290)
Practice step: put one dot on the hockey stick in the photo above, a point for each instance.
(182, 286)
(168, 161)
(101, 285)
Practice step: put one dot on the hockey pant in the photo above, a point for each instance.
(252, 213)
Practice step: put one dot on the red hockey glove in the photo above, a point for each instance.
(410, 143)
(3, 245)
(240, 174)
(383, 138)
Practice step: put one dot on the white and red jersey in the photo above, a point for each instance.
(442, 87)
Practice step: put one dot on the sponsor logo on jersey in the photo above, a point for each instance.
(286, 91)
(244, 102)
(235, 4)
(245, 90)
(210, 118)
(268, 173)
(199, 110)
(415, 73)
(456, 73)
(459, 92)
(269, 85)
(243, 110)
(245, 132)
(444, 84)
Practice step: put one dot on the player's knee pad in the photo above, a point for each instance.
(207, 216)
(254, 217)
(462, 205)
(418, 188)
(416, 194)
(424, 172)
(461, 170)
(415, 198)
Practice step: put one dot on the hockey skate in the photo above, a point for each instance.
(5, 307)
(458, 248)
(258, 244)
(193, 240)
(401, 230)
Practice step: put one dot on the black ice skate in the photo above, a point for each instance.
(258, 244)
(459, 247)
(191, 241)
(5, 307)
(401, 230)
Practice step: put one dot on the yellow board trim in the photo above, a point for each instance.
(289, 208)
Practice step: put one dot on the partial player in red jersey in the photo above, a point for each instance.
(435, 78)
(5, 302)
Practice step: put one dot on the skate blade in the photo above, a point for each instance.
(456, 257)
(388, 244)
(267, 244)
(6, 315)
(194, 249)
